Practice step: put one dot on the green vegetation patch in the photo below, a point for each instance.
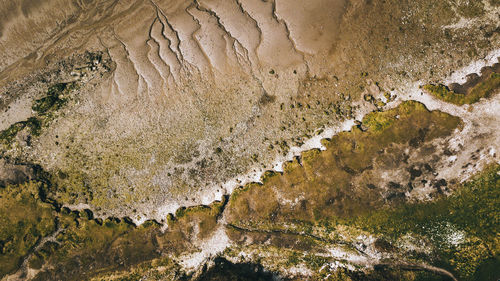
(381, 121)
(461, 230)
(10, 133)
(464, 227)
(84, 246)
(44, 108)
(483, 89)
(33, 124)
(57, 96)
(101, 246)
(24, 221)
(188, 226)
(474, 207)
(443, 93)
(321, 187)
(115, 245)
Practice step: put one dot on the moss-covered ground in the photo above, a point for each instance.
(24, 221)
(83, 246)
(117, 245)
(458, 233)
(320, 186)
(483, 89)
(462, 230)
(464, 227)
(297, 215)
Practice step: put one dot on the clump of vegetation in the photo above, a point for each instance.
(39, 257)
(57, 96)
(442, 92)
(53, 100)
(315, 262)
(10, 133)
(483, 89)
(33, 124)
(379, 121)
(101, 245)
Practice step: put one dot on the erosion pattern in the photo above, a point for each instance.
(249, 140)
